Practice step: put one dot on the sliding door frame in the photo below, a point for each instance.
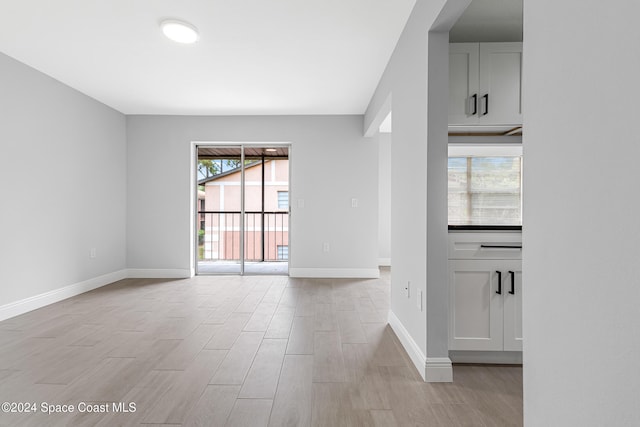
(194, 194)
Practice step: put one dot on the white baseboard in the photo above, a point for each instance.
(25, 305)
(433, 369)
(335, 273)
(438, 370)
(22, 306)
(415, 354)
(384, 262)
(487, 357)
(150, 273)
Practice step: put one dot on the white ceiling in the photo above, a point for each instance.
(253, 56)
(489, 21)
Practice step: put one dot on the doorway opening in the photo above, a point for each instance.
(242, 210)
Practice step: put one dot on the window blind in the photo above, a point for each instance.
(485, 190)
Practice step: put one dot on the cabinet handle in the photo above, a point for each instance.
(513, 283)
(499, 291)
(501, 246)
(475, 104)
(486, 104)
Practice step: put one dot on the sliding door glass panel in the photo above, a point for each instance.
(266, 210)
(220, 220)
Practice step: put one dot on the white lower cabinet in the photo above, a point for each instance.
(486, 305)
(485, 297)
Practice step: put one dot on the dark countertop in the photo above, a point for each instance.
(485, 228)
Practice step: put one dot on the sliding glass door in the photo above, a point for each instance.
(243, 209)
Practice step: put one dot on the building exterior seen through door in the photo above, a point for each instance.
(243, 210)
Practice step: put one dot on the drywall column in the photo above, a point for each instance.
(581, 289)
(418, 187)
(437, 296)
(384, 199)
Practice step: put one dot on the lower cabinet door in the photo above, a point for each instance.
(513, 306)
(475, 306)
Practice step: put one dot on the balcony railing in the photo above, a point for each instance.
(266, 236)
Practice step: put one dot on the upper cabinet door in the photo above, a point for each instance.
(485, 84)
(463, 83)
(501, 83)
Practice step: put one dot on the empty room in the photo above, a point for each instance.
(319, 213)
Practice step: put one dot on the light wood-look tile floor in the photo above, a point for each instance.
(236, 351)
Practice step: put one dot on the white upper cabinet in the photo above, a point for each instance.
(485, 84)
(464, 81)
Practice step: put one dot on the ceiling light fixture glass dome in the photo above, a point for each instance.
(179, 31)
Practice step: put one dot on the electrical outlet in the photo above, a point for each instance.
(92, 253)
(325, 247)
(408, 290)
(419, 299)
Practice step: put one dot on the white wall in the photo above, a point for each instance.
(414, 82)
(581, 286)
(63, 180)
(384, 199)
(331, 164)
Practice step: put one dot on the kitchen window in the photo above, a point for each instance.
(485, 185)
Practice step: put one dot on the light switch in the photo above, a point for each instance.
(354, 203)
(419, 299)
(301, 203)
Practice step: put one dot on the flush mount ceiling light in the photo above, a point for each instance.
(179, 31)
